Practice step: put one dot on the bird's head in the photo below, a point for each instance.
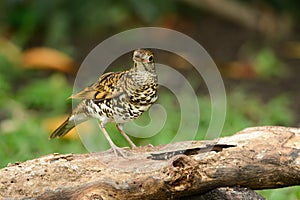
(143, 60)
(143, 55)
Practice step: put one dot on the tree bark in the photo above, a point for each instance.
(256, 158)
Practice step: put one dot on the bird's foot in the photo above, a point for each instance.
(119, 152)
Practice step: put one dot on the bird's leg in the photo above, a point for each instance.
(117, 150)
(120, 128)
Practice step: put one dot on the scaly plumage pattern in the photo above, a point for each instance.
(116, 97)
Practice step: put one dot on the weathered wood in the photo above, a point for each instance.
(256, 158)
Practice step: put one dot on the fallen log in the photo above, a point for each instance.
(255, 158)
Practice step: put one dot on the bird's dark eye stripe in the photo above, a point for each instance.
(150, 58)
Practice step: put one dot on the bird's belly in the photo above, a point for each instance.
(98, 111)
(126, 114)
(119, 110)
(115, 110)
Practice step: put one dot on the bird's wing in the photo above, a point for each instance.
(105, 88)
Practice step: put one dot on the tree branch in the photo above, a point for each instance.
(262, 19)
(256, 158)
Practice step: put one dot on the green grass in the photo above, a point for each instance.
(288, 193)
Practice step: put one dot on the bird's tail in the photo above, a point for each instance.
(63, 129)
(78, 116)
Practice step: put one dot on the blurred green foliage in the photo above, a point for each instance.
(267, 64)
(44, 96)
(290, 193)
(54, 22)
(25, 102)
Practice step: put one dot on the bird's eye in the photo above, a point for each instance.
(150, 59)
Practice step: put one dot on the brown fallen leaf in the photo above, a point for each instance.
(48, 58)
(238, 70)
